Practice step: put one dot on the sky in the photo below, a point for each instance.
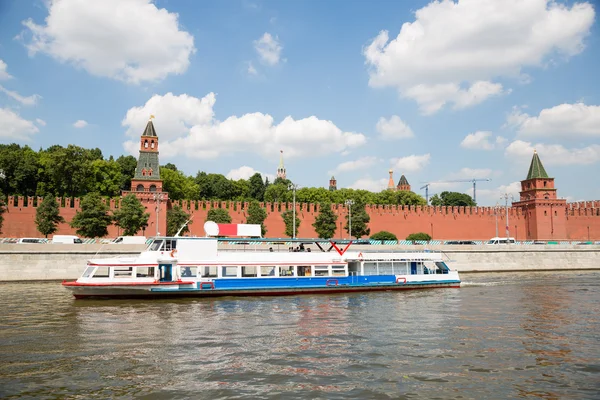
(440, 91)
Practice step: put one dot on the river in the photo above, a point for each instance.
(498, 336)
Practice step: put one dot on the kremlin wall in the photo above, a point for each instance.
(538, 215)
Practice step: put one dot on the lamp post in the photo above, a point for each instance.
(158, 197)
(349, 204)
(506, 196)
(293, 187)
(496, 215)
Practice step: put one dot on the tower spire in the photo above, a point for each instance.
(281, 169)
(391, 184)
(536, 169)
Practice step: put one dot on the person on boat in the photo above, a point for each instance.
(301, 247)
(307, 271)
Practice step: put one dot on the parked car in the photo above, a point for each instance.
(130, 240)
(31, 240)
(460, 242)
(501, 240)
(66, 239)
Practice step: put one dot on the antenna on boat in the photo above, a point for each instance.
(183, 226)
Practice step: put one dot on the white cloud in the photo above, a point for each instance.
(453, 51)
(245, 172)
(479, 140)
(40, 122)
(362, 162)
(491, 197)
(251, 69)
(394, 128)
(410, 163)
(186, 126)
(553, 154)
(564, 120)
(13, 127)
(372, 185)
(268, 49)
(472, 173)
(80, 124)
(128, 40)
(25, 100)
(4, 75)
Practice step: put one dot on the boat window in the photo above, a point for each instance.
(170, 244)
(284, 270)
(321, 270)
(249, 271)
(208, 272)
(144, 272)
(338, 270)
(123, 272)
(189, 272)
(88, 272)
(400, 268)
(102, 272)
(229, 272)
(267, 271)
(304, 270)
(442, 268)
(155, 246)
(371, 268)
(385, 268)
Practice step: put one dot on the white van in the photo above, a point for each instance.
(501, 240)
(130, 240)
(66, 239)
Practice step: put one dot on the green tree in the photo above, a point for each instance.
(325, 222)
(170, 166)
(257, 215)
(360, 221)
(454, 199)
(418, 236)
(384, 235)
(106, 177)
(128, 165)
(131, 216)
(218, 215)
(93, 219)
(288, 220)
(47, 216)
(278, 193)
(257, 187)
(179, 186)
(176, 217)
(20, 166)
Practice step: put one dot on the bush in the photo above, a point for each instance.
(384, 235)
(418, 236)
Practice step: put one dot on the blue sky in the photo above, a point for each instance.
(437, 91)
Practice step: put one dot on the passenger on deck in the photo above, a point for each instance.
(271, 249)
(301, 247)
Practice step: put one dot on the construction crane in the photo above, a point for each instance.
(473, 180)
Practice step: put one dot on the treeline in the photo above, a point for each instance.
(73, 171)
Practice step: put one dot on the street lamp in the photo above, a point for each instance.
(496, 215)
(158, 197)
(506, 196)
(293, 187)
(349, 204)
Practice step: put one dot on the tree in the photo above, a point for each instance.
(170, 166)
(106, 177)
(360, 221)
(218, 215)
(179, 186)
(418, 236)
(384, 235)
(454, 199)
(93, 219)
(47, 216)
(176, 217)
(288, 220)
(257, 187)
(325, 222)
(131, 216)
(257, 215)
(128, 165)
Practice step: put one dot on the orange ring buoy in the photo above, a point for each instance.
(401, 278)
(173, 253)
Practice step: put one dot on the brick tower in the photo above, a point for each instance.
(391, 184)
(332, 184)
(146, 183)
(403, 184)
(545, 214)
(281, 169)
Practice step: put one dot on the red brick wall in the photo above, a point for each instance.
(476, 223)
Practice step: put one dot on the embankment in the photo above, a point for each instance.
(57, 262)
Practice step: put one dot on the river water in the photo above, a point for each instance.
(498, 336)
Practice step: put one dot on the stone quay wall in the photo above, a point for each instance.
(59, 262)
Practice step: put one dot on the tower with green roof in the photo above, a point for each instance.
(403, 184)
(544, 213)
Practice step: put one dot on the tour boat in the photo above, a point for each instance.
(198, 267)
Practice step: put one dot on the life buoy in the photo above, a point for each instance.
(173, 252)
(401, 279)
